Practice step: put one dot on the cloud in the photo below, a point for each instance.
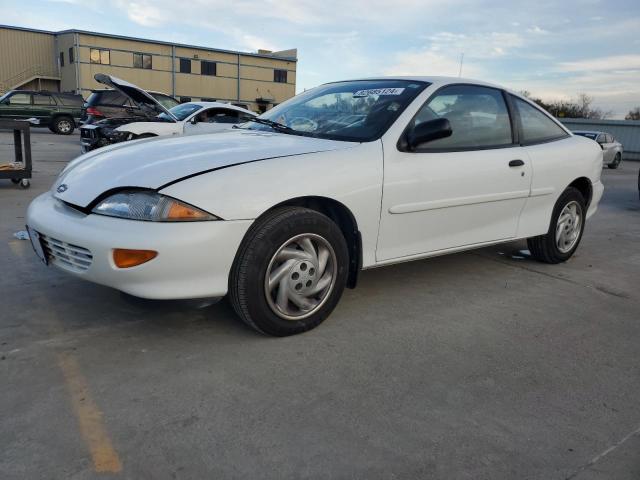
(616, 62)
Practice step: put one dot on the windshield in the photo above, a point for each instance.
(357, 111)
(2, 97)
(181, 111)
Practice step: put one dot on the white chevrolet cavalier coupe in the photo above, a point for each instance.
(283, 212)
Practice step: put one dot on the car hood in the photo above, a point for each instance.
(147, 104)
(153, 163)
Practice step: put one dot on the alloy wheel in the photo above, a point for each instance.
(300, 276)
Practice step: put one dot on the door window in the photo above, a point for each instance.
(478, 116)
(20, 99)
(610, 138)
(602, 138)
(536, 126)
(43, 100)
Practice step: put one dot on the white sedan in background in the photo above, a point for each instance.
(191, 118)
(283, 212)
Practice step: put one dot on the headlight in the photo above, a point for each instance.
(150, 206)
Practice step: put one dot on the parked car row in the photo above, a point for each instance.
(149, 115)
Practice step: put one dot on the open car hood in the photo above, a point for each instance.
(138, 96)
(154, 163)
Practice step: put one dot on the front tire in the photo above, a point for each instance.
(565, 229)
(63, 125)
(616, 161)
(290, 272)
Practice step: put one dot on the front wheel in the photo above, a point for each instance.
(616, 161)
(565, 230)
(290, 272)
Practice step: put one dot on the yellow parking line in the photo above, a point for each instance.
(105, 458)
(18, 247)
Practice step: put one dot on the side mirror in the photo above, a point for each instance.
(193, 120)
(428, 132)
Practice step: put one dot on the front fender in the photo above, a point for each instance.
(352, 176)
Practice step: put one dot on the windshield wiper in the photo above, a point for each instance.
(281, 127)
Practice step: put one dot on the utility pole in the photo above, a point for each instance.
(461, 61)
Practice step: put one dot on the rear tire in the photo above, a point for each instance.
(63, 125)
(565, 229)
(616, 161)
(289, 272)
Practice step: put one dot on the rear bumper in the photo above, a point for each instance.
(193, 261)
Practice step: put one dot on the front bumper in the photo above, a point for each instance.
(194, 258)
(596, 196)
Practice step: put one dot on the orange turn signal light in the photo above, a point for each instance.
(126, 258)
(180, 211)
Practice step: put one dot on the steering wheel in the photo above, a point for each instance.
(303, 124)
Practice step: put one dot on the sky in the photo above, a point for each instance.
(553, 49)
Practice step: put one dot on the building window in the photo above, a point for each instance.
(62, 59)
(280, 76)
(141, 60)
(185, 65)
(102, 57)
(208, 68)
(71, 59)
(185, 99)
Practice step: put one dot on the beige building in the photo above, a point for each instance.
(68, 60)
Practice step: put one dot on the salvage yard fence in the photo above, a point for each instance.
(627, 132)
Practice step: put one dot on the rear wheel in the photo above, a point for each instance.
(63, 125)
(290, 272)
(616, 161)
(565, 230)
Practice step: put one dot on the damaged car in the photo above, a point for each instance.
(190, 118)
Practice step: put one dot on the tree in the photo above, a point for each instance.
(633, 114)
(579, 108)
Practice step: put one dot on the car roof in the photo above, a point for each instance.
(219, 105)
(100, 90)
(433, 79)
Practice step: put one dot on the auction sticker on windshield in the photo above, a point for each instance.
(379, 91)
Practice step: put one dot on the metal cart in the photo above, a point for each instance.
(18, 174)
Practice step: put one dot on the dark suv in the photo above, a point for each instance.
(58, 111)
(103, 104)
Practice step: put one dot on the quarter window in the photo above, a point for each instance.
(280, 76)
(208, 68)
(185, 65)
(141, 60)
(478, 116)
(102, 57)
(535, 125)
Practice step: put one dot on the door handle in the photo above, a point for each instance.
(516, 163)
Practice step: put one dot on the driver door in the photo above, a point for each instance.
(466, 189)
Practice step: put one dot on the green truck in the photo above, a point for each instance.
(60, 112)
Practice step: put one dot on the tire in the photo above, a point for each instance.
(282, 242)
(545, 248)
(616, 161)
(63, 125)
(15, 181)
